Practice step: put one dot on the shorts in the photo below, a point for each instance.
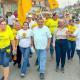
(4, 58)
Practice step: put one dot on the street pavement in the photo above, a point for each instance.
(72, 70)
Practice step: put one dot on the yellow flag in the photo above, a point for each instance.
(53, 4)
(24, 7)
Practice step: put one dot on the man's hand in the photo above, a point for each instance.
(48, 47)
(14, 50)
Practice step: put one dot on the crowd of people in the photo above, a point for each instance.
(40, 34)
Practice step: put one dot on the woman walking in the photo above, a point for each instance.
(24, 39)
(60, 44)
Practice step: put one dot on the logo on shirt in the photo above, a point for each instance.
(24, 35)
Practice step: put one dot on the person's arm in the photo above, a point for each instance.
(48, 45)
(75, 33)
(31, 35)
(12, 41)
(72, 35)
(17, 38)
(32, 41)
(49, 38)
(67, 34)
(13, 45)
(54, 38)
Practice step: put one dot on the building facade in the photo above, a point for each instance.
(7, 6)
(11, 5)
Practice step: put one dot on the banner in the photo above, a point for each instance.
(24, 7)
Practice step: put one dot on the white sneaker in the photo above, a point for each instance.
(22, 75)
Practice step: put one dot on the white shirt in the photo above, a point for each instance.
(24, 37)
(41, 36)
(11, 19)
(61, 33)
(31, 24)
(77, 34)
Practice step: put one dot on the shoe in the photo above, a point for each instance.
(41, 76)
(57, 69)
(22, 74)
(62, 70)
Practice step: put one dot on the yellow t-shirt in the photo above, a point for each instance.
(51, 24)
(8, 27)
(71, 29)
(6, 37)
(14, 32)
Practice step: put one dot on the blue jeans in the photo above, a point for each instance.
(42, 55)
(71, 49)
(5, 57)
(60, 49)
(25, 53)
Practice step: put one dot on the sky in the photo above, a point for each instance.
(64, 3)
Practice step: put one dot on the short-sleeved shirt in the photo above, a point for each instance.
(11, 19)
(6, 37)
(32, 24)
(41, 36)
(61, 33)
(51, 24)
(77, 34)
(71, 29)
(24, 37)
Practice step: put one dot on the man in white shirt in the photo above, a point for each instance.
(42, 39)
(11, 20)
(30, 21)
(31, 25)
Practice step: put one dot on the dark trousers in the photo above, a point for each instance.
(51, 47)
(19, 56)
(78, 52)
(60, 49)
(71, 49)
